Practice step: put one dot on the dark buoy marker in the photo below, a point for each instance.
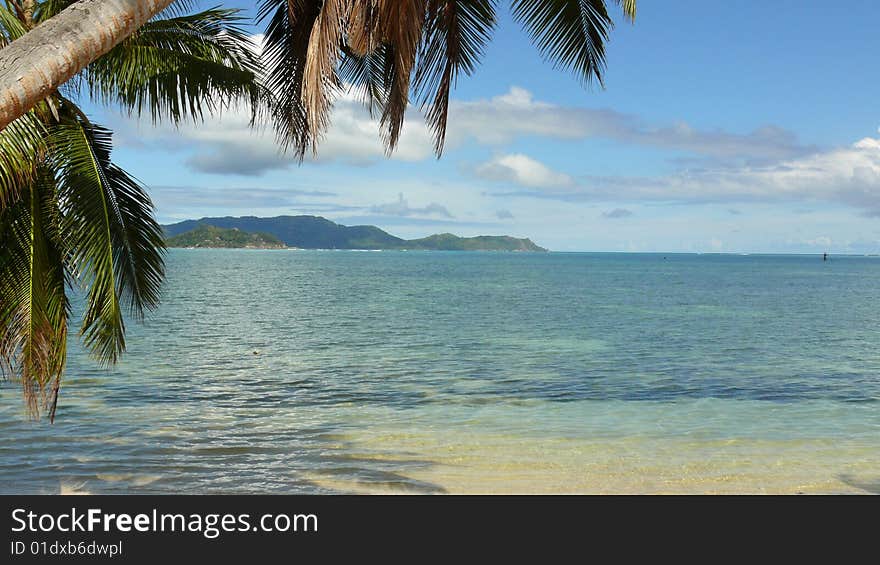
(825, 256)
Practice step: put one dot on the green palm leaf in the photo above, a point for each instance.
(50, 8)
(33, 304)
(80, 155)
(138, 241)
(22, 144)
(11, 27)
(70, 216)
(115, 244)
(180, 67)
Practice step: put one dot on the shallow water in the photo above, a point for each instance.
(475, 372)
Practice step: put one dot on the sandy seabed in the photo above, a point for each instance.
(497, 464)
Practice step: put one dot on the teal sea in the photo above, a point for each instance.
(321, 371)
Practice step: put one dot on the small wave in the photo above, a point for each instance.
(134, 480)
(67, 489)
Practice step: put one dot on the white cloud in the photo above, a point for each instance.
(849, 175)
(227, 144)
(354, 135)
(517, 114)
(523, 170)
(512, 115)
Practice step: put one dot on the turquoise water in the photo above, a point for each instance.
(475, 372)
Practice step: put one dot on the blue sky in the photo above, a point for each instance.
(736, 126)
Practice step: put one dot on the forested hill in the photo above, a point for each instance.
(209, 236)
(315, 232)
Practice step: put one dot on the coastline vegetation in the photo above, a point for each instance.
(211, 237)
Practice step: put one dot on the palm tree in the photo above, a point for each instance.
(48, 56)
(395, 50)
(71, 220)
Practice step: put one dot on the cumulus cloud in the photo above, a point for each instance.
(230, 146)
(402, 208)
(354, 135)
(504, 215)
(227, 144)
(617, 213)
(849, 175)
(523, 170)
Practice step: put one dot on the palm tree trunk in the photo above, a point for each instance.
(43, 59)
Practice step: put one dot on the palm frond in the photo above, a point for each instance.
(50, 8)
(285, 46)
(179, 8)
(401, 26)
(80, 155)
(115, 243)
(365, 73)
(456, 34)
(363, 34)
(181, 68)
(33, 305)
(138, 243)
(15, 7)
(11, 27)
(319, 76)
(571, 33)
(629, 8)
(22, 144)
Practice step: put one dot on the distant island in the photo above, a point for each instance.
(315, 232)
(206, 235)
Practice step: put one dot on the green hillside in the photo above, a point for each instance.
(210, 236)
(315, 232)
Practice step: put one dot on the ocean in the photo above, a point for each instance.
(467, 372)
